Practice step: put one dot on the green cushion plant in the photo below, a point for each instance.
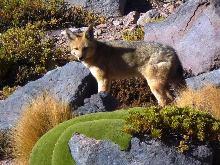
(43, 155)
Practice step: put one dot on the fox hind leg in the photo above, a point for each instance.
(157, 76)
(160, 90)
(103, 85)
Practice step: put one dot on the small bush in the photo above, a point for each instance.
(7, 91)
(26, 54)
(133, 35)
(43, 114)
(5, 146)
(205, 99)
(54, 14)
(187, 125)
(132, 93)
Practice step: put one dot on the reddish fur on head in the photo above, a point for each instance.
(82, 45)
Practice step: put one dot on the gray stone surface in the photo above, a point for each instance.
(87, 151)
(209, 78)
(193, 30)
(71, 83)
(100, 102)
(107, 8)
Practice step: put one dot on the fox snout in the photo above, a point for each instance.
(78, 55)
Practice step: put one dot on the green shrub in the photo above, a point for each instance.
(53, 14)
(187, 124)
(8, 91)
(133, 35)
(5, 146)
(26, 54)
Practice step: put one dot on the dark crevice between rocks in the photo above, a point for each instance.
(216, 158)
(141, 6)
(87, 88)
(100, 102)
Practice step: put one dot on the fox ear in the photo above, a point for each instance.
(70, 35)
(88, 34)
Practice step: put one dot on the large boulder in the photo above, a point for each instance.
(108, 8)
(210, 78)
(71, 84)
(193, 30)
(87, 151)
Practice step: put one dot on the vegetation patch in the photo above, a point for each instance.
(43, 155)
(42, 115)
(26, 54)
(132, 92)
(99, 129)
(187, 125)
(5, 145)
(205, 99)
(133, 35)
(51, 13)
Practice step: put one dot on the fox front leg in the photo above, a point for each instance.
(103, 85)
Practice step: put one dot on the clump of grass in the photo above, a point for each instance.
(42, 115)
(186, 125)
(206, 99)
(133, 35)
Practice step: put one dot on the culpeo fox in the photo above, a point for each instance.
(157, 63)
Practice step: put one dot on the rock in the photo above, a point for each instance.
(146, 17)
(98, 32)
(104, 25)
(110, 8)
(117, 22)
(101, 102)
(193, 30)
(87, 151)
(71, 84)
(210, 78)
(131, 18)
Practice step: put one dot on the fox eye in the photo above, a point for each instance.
(76, 48)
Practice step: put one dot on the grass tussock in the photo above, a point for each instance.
(206, 99)
(42, 115)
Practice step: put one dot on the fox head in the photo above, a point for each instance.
(82, 45)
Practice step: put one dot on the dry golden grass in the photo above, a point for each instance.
(207, 99)
(43, 114)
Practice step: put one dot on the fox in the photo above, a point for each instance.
(118, 59)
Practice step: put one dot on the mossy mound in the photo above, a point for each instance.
(186, 125)
(53, 145)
